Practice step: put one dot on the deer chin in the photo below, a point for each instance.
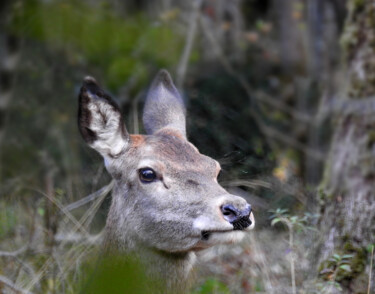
(212, 238)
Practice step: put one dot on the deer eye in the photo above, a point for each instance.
(147, 175)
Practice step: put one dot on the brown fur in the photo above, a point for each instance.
(137, 140)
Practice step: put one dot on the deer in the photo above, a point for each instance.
(167, 204)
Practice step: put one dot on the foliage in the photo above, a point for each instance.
(293, 222)
(119, 47)
(337, 265)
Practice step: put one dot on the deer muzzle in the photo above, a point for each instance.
(239, 218)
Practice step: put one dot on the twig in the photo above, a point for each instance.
(264, 266)
(5, 281)
(292, 268)
(341, 105)
(103, 191)
(55, 201)
(78, 238)
(77, 253)
(253, 184)
(13, 253)
(298, 115)
(39, 274)
(370, 274)
(87, 218)
(134, 111)
(181, 69)
(272, 132)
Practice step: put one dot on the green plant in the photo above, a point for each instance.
(293, 223)
(336, 265)
(370, 249)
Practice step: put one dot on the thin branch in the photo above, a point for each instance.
(262, 264)
(265, 98)
(6, 282)
(79, 238)
(271, 132)
(55, 201)
(253, 184)
(13, 253)
(341, 105)
(101, 192)
(134, 111)
(370, 274)
(292, 267)
(182, 66)
(35, 280)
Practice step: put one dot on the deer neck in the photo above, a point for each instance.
(172, 268)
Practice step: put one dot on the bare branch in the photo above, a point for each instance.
(272, 132)
(253, 184)
(8, 283)
(101, 192)
(340, 105)
(13, 253)
(265, 98)
(181, 69)
(79, 238)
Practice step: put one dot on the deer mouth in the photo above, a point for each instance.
(211, 238)
(206, 235)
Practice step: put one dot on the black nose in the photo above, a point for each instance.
(238, 218)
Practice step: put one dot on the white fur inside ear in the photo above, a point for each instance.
(106, 124)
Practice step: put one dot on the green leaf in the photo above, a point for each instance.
(370, 247)
(337, 286)
(40, 211)
(336, 257)
(294, 219)
(345, 267)
(275, 221)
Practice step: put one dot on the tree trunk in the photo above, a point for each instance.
(347, 197)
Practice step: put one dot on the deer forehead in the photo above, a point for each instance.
(171, 151)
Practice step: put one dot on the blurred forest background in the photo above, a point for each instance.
(281, 92)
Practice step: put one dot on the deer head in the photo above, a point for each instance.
(166, 197)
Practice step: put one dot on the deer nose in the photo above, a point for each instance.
(240, 219)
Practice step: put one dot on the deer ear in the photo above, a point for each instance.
(100, 121)
(164, 107)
